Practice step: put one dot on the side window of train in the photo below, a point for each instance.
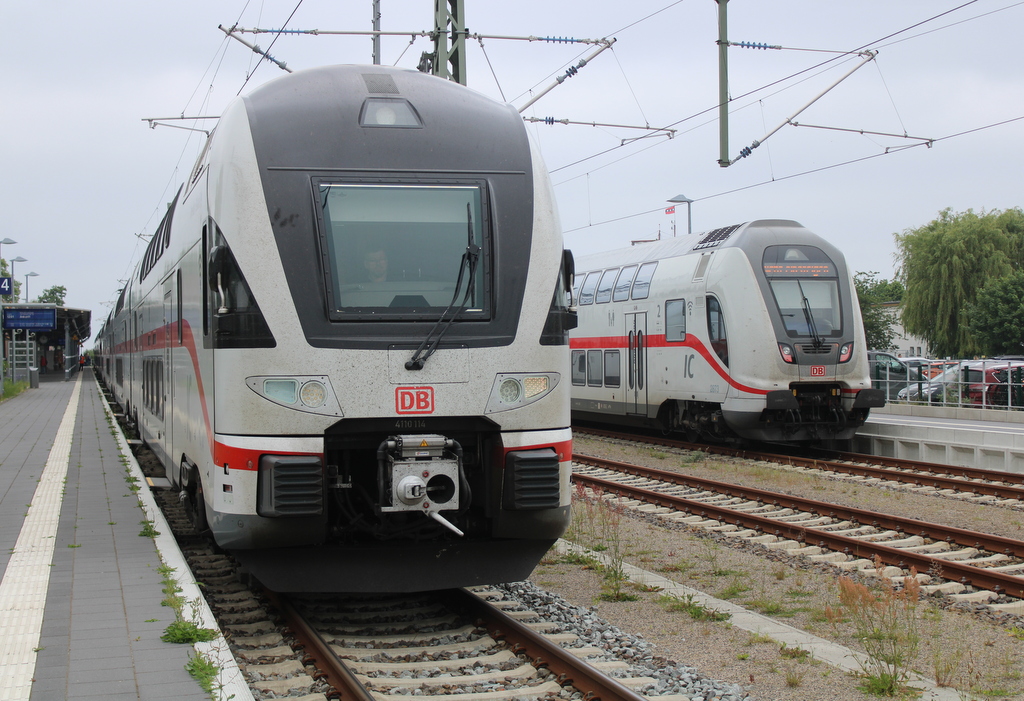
(604, 290)
(595, 368)
(624, 283)
(579, 367)
(588, 288)
(612, 368)
(642, 284)
(675, 320)
(716, 330)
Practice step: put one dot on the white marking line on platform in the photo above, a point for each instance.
(23, 589)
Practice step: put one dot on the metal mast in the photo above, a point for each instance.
(449, 60)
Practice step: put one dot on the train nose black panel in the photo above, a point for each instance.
(290, 485)
(531, 480)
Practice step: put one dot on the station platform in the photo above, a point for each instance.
(80, 599)
(992, 439)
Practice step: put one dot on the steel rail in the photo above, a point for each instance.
(569, 669)
(331, 668)
(891, 469)
(949, 569)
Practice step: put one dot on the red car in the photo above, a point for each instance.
(990, 384)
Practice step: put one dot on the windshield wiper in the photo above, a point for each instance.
(469, 261)
(818, 342)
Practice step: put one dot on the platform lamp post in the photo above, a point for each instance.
(5, 242)
(27, 276)
(19, 259)
(683, 199)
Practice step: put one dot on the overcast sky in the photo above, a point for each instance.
(83, 175)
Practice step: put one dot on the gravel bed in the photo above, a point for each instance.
(967, 644)
(592, 630)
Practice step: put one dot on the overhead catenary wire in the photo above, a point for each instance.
(888, 151)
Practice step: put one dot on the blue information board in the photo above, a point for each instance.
(33, 319)
(6, 286)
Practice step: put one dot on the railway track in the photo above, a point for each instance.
(848, 538)
(483, 645)
(985, 486)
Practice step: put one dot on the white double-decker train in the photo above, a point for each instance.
(746, 332)
(347, 341)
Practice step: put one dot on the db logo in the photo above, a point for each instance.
(414, 400)
(817, 371)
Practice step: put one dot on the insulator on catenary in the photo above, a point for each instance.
(549, 120)
(755, 45)
(559, 40)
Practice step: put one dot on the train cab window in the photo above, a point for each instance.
(595, 368)
(402, 250)
(675, 320)
(234, 315)
(805, 285)
(612, 368)
(642, 284)
(604, 289)
(623, 284)
(588, 288)
(716, 330)
(579, 368)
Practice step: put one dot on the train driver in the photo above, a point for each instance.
(375, 264)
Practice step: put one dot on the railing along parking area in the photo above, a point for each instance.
(992, 383)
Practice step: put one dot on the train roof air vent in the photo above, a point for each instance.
(713, 238)
(380, 84)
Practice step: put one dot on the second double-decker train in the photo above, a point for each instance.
(747, 332)
(347, 341)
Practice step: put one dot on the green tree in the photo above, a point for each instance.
(878, 323)
(997, 315)
(944, 264)
(53, 295)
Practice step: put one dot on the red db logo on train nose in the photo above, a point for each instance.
(817, 371)
(414, 400)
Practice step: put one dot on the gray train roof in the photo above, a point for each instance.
(311, 119)
(750, 237)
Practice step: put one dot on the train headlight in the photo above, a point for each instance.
(514, 390)
(313, 394)
(787, 352)
(846, 352)
(510, 390)
(285, 391)
(309, 393)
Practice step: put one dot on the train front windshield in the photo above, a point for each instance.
(805, 285)
(404, 250)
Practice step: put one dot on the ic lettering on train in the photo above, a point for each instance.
(414, 400)
(688, 366)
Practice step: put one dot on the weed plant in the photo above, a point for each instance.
(886, 623)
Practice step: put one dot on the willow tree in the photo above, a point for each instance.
(944, 263)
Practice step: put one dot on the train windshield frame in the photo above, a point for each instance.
(805, 285)
(400, 250)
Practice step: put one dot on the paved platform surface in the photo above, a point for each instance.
(80, 598)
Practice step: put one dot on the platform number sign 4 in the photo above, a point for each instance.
(6, 287)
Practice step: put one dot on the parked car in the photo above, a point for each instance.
(972, 382)
(943, 387)
(989, 384)
(890, 374)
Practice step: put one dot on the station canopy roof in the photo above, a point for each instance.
(48, 320)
